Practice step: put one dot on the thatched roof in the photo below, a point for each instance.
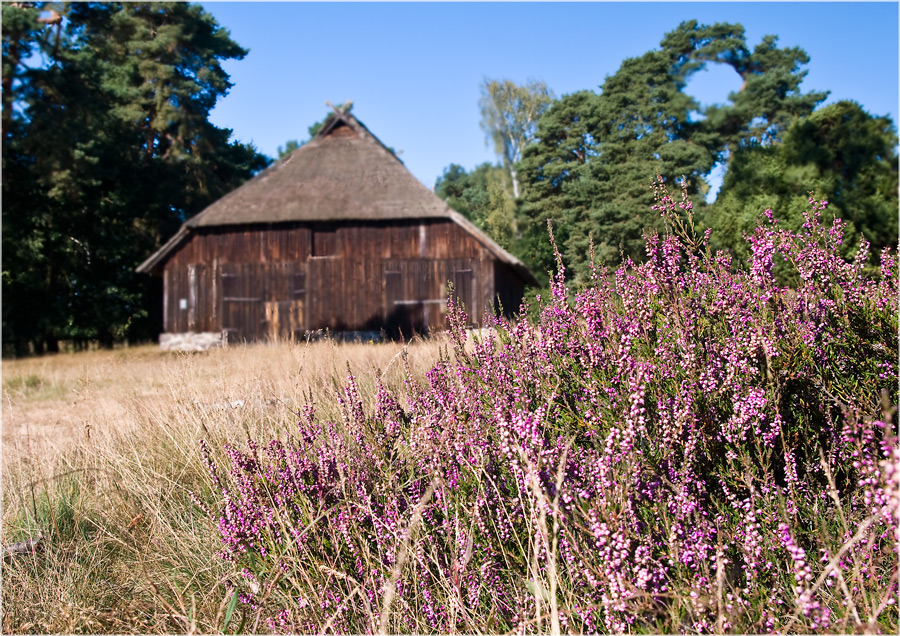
(343, 174)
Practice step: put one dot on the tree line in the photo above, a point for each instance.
(107, 149)
(585, 162)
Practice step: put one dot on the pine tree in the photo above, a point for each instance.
(596, 154)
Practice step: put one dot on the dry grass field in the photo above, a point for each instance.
(100, 451)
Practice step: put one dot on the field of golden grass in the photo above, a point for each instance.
(100, 451)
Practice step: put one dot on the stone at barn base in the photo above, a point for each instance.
(190, 341)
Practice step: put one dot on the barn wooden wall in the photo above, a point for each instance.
(280, 281)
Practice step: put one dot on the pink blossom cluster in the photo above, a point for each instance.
(662, 451)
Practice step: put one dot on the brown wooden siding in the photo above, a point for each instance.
(281, 281)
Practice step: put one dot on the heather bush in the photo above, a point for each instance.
(682, 446)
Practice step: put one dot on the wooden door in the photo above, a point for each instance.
(404, 311)
(463, 293)
(242, 303)
(284, 302)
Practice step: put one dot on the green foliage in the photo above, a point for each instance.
(289, 147)
(590, 171)
(500, 220)
(22, 36)
(559, 177)
(840, 152)
(595, 153)
(769, 98)
(483, 197)
(107, 149)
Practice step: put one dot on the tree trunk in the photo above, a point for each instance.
(105, 340)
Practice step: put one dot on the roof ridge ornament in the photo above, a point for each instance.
(341, 115)
(341, 110)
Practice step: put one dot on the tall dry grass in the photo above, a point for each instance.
(101, 450)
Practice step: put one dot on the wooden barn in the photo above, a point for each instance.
(337, 235)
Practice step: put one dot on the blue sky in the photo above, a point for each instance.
(413, 70)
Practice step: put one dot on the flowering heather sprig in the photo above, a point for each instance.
(210, 466)
(819, 616)
(664, 449)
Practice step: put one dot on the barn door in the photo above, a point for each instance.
(192, 300)
(393, 293)
(404, 313)
(194, 275)
(242, 303)
(462, 290)
(297, 321)
(283, 300)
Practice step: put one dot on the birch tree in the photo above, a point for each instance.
(509, 116)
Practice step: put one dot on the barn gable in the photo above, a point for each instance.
(343, 214)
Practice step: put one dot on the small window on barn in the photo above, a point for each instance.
(229, 287)
(324, 243)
